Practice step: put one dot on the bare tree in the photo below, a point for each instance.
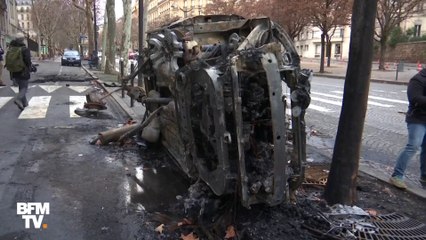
(390, 13)
(47, 16)
(292, 15)
(110, 50)
(341, 184)
(127, 27)
(240, 7)
(326, 15)
(104, 40)
(86, 6)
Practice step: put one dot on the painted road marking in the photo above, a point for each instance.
(76, 102)
(37, 108)
(4, 100)
(340, 97)
(319, 108)
(49, 88)
(337, 103)
(79, 89)
(15, 89)
(311, 106)
(380, 98)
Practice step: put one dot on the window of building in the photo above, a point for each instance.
(337, 48)
(317, 49)
(342, 33)
(306, 47)
(417, 30)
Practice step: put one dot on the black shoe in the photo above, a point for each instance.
(19, 104)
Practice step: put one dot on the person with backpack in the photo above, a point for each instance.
(1, 66)
(18, 63)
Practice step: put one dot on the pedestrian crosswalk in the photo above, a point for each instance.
(330, 101)
(38, 106)
(321, 101)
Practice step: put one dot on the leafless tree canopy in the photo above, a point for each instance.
(391, 13)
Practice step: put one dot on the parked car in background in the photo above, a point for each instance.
(71, 57)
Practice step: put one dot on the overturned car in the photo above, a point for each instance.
(225, 84)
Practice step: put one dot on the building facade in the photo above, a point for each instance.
(308, 43)
(25, 23)
(163, 10)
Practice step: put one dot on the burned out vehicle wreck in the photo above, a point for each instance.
(224, 85)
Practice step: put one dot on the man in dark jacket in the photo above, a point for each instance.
(23, 76)
(416, 124)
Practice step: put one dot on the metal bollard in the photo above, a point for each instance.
(132, 82)
(121, 77)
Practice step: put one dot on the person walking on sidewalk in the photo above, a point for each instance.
(1, 66)
(18, 62)
(416, 125)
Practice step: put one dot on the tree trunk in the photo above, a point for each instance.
(341, 185)
(328, 40)
(127, 25)
(89, 25)
(322, 53)
(110, 51)
(383, 46)
(104, 40)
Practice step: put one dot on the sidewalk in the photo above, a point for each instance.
(137, 111)
(338, 69)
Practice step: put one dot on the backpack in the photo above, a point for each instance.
(15, 60)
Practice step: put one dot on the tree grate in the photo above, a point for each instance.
(393, 226)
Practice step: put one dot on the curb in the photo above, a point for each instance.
(385, 178)
(90, 73)
(371, 80)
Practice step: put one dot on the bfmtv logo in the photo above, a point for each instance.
(33, 212)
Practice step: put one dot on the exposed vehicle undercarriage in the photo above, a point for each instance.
(220, 81)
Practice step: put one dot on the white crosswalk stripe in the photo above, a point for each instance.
(319, 108)
(4, 100)
(79, 89)
(76, 102)
(37, 108)
(15, 89)
(340, 97)
(380, 98)
(49, 88)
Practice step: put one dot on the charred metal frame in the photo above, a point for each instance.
(227, 123)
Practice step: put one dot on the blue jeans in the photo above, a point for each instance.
(416, 140)
(23, 87)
